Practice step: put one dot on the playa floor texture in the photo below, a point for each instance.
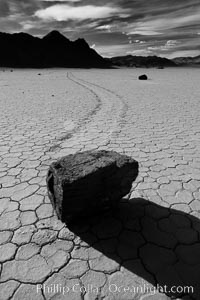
(154, 237)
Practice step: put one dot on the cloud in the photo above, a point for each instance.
(144, 31)
(168, 46)
(105, 27)
(67, 12)
(4, 9)
(140, 52)
(184, 53)
(62, 0)
(151, 26)
(27, 26)
(111, 50)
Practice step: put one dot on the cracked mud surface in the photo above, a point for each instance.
(154, 237)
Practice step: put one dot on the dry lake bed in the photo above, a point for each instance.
(148, 249)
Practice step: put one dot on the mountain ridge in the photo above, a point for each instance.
(153, 61)
(141, 61)
(182, 61)
(22, 50)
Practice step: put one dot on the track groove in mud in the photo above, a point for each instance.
(124, 106)
(69, 133)
(99, 125)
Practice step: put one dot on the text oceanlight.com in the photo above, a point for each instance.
(114, 289)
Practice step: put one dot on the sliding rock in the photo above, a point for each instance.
(84, 183)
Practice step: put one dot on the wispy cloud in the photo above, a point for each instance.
(156, 26)
(184, 53)
(140, 52)
(67, 12)
(62, 1)
(105, 27)
(4, 8)
(144, 31)
(171, 44)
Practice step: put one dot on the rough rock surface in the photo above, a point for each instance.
(82, 183)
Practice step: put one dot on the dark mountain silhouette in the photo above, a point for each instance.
(141, 61)
(22, 50)
(191, 61)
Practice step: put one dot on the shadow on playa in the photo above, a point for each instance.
(152, 246)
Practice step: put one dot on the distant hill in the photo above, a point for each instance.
(141, 61)
(22, 50)
(189, 61)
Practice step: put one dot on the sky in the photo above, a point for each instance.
(166, 28)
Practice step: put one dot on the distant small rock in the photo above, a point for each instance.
(143, 77)
(39, 74)
(87, 182)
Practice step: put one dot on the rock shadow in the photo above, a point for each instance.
(148, 241)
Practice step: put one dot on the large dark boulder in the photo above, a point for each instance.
(143, 77)
(82, 184)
